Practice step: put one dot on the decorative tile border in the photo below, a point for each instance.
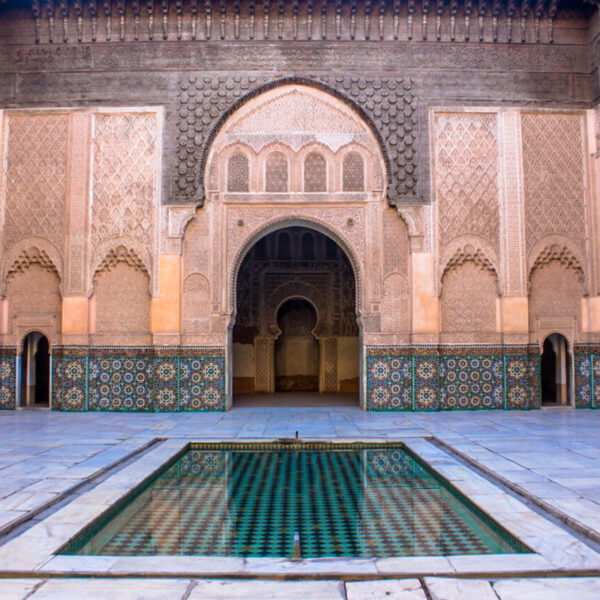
(143, 379)
(8, 378)
(452, 377)
(587, 376)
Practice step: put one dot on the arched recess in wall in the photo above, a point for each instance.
(121, 300)
(396, 305)
(556, 287)
(206, 172)
(469, 298)
(34, 293)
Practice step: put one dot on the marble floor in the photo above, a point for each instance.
(50, 462)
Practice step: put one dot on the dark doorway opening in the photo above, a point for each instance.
(35, 371)
(296, 348)
(556, 371)
(295, 328)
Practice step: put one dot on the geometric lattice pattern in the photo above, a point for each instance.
(553, 174)
(7, 379)
(138, 381)
(276, 173)
(353, 173)
(124, 176)
(237, 174)
(466, 157)
(440, 381)
(587, 379)
(35, 178)
(471, 382)
(315, 173)
(348, 502)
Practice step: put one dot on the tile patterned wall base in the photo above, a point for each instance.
(453, 377)
(139, 379)
(8, 378)
(587, 376)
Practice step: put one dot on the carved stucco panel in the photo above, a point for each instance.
(553, 164)
(36, 178)
(466, 175)
(124, 177)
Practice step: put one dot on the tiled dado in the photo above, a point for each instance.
(8, 377)
(587, 376)
(457, 377)
(138, 379)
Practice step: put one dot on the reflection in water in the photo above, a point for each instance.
(342, 502)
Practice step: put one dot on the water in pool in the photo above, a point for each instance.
(350, 501)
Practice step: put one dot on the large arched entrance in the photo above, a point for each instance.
(35, 371)
(295, 327)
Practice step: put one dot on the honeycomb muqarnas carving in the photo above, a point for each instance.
(205, 101)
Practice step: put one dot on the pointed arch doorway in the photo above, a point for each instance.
(295, 327)
(34, 372)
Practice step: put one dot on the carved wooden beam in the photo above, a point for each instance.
(121, 13)
(63, 9)
(324, 6)
(453, 12)
(150, 11)
(93, 9)
(425, 12)
(295, 10)
(179, 13)
(468, 11)
(135, 9)
(496, 8)
(78, 11)
(280, 14)
(222, 18)
(236, 19)
(107, 6)
(208, 18)
(353, 9)
(552, 10)
(50, 13)
(538, 13)
(338, 19)
(309, 18)
(194, 13)
(164, 6)
(266, 10)
(439, 11)
(411, 11)
(525, 8)
(483, 7)
(251, 18)
(397, 7)
(511, 9)
(36, 14)
(368, 11)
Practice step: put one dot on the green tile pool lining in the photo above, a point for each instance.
(388, 526)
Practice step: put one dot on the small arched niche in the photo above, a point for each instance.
(296, 348)
(556, 365)
(34, 371)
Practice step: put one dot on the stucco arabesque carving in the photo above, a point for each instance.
(469, 249)
(122, 250)
(387, 104)
(561, 252)
(28, 252)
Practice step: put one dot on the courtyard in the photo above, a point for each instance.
(537, 473)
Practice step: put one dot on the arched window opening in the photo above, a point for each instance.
(556, 370)
(353, 173)
(284, 249)
(35, 371)
(277, 173)
(237, 174)
(308, 246)
(315, 173)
